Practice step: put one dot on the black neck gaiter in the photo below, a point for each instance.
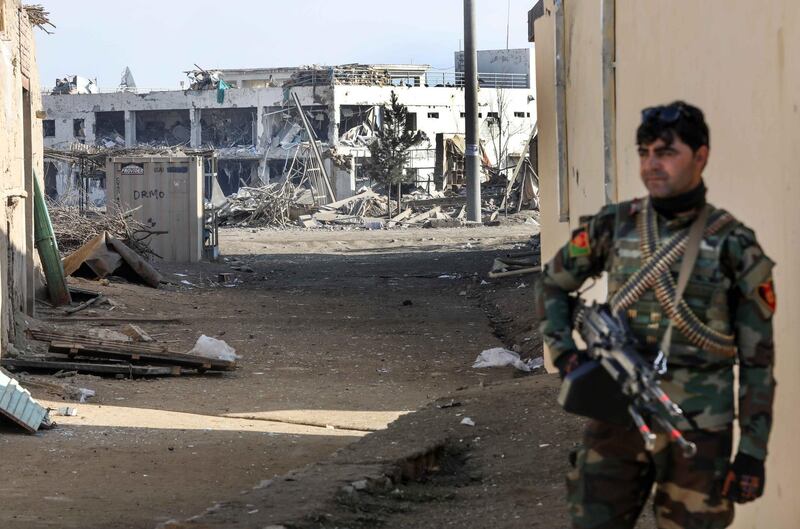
(672, 206)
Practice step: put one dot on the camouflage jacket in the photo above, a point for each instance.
(730, 292)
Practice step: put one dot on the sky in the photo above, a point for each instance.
(159, 40)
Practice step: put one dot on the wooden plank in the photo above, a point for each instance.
(91, 368)
(403, 216)
(151, 353)
(121, 319)
(422, 216)
(431, 202)
(345, 201)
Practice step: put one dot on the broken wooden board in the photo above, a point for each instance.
(115, 319)
(446, 202)
(423, 216)
(133, 352)
(91, 368)
(339, 203)
(403, 215)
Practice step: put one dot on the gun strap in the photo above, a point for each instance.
(687, 265)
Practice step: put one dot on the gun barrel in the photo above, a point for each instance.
(648, 437)
(665, 402)
(688, 448)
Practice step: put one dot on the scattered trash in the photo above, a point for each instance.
(208, 347)
(452, 403)
(466, 421)
(500, 357)
(81, 394)
(535, 363)
(66, 411)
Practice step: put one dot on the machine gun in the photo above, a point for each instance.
(618, 385)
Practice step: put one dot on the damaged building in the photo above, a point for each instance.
(247, 120)
(20, 162)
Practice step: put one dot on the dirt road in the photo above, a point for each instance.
(339, 332)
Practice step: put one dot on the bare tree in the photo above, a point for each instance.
(500, 128)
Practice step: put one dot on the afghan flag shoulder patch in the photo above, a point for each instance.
(766, 293)
(579, 245)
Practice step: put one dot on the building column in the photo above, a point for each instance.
(344, 181)
(195, 136)
(130, 128)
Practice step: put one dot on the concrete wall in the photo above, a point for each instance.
(20, 158)
(735, 59)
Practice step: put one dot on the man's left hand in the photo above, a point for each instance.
(745, 479)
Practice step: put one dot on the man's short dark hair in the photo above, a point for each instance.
(678, 118)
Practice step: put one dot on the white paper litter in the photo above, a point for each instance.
(467, 421)
(499, 357)
(208, 347)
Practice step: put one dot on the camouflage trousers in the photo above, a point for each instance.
(613, 476)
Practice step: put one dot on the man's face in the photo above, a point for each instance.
(668, 170)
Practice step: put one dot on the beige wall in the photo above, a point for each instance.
(20, 156)
(738, 61)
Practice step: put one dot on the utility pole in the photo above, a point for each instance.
(472, 150)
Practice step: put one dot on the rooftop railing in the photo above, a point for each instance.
(375, 77)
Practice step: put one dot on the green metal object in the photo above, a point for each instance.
(46, 244)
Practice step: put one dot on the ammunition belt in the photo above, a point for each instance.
(655, 274)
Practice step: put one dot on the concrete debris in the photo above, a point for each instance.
(274, 204)
(202, 79)
(75, 84)
(345, 74)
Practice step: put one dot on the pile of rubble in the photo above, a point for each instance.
(343, 74)
(268, 205)
(284, 205)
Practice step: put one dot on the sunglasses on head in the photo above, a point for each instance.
(664, 113)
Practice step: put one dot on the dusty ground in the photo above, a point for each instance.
(340, 333)
(342, 329)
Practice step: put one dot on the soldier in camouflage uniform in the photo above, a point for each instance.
(724, 318)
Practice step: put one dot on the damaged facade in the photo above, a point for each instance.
(254, 130)
(20, 161)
